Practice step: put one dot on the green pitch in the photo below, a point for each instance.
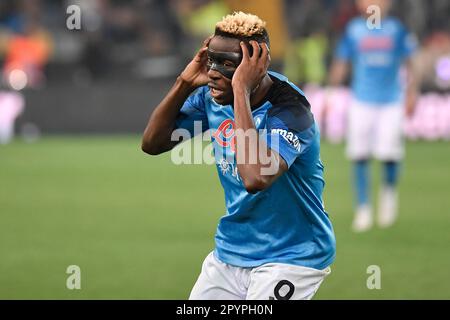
(139, 227)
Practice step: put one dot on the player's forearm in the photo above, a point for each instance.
(157, 134)
(249, 147)
(412, 83)
(412, 88)
(338, 73)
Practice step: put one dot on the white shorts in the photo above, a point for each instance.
(272, 281)
(375, 131)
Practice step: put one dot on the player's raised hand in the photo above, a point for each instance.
(196, 73)
(252, 68)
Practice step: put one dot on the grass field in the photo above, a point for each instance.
(139, 227)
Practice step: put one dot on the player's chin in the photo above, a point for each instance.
(223, 98)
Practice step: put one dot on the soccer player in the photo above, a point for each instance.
(376, 55)
(275, 240)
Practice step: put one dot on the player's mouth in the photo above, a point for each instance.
(215, 91)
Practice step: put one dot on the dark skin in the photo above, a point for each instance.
(247, 88)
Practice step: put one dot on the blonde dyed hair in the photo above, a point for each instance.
(242, 24)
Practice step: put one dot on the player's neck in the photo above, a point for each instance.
(261, 92)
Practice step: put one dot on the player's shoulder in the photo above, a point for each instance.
(356, 28)
(394, 21)
(356, 23)
(201, 93)
(289, 103)
(393, 24)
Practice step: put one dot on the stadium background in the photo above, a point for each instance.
(75, 189)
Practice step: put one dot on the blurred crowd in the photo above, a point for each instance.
(153, 39)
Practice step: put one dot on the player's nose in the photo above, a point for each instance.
(214, 74)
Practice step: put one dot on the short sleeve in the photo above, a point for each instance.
(193, 114)
(344, 48)
(290, 130)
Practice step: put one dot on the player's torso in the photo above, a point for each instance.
(280, 222)
(223, 137)
(376, 60)
(378, 48)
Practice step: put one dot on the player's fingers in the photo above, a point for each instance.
(265, 54)
(256, 48)
(207, 40)
(265, 50)
(245, 53)
(201, 54)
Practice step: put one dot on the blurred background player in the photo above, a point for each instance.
(376, 55)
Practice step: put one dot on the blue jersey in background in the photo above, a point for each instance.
(376, 56)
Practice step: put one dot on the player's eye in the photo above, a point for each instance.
(228, 64)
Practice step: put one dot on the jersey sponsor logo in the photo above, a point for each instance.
(376, 43)
(289, 137)
(224, 135)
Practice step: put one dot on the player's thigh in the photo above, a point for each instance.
(361, 121)
(389, 144)
(216, 281)
(276, 281)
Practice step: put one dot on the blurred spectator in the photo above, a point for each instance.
(199, 16)
(305, 60)
(27, 48)
(152, 39)
(433, 62)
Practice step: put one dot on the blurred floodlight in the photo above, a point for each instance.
(18, 79)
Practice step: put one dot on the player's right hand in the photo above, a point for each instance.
(196, 72)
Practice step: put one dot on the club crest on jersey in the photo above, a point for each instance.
(257, 121)
(224, 135)
(289, 137)
(224, 166)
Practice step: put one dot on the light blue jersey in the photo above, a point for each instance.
(376, 56)
(287, 222)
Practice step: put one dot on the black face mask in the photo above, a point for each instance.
(216, 61)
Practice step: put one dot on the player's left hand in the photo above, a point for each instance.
(252, 69)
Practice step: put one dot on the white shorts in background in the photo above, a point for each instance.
(375, 131)
(272, 281)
